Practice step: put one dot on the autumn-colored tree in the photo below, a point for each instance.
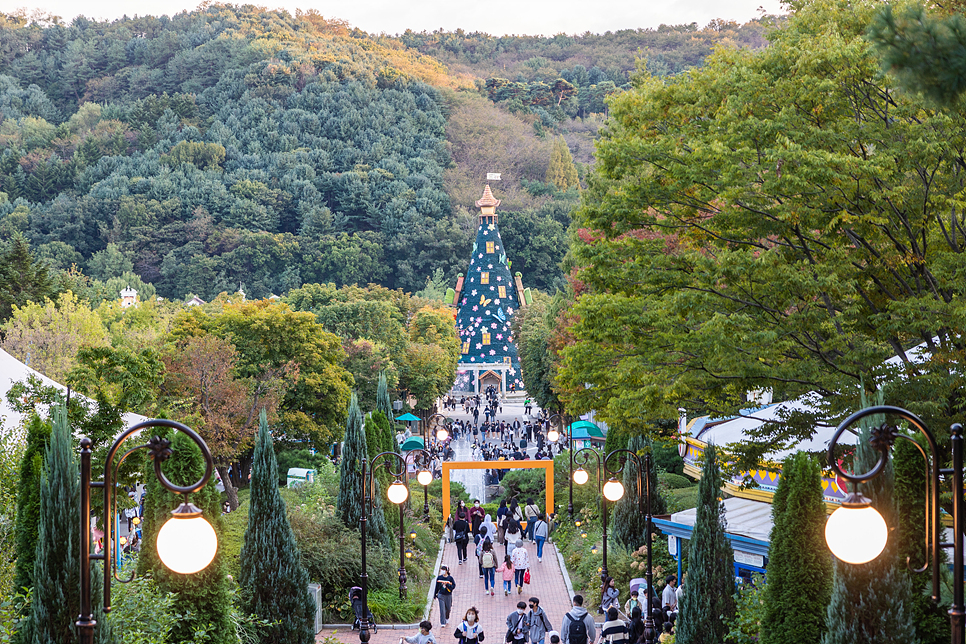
(202, 377)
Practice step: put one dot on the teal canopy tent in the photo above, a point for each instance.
(409, 418)
(586, 430)
(413, 442)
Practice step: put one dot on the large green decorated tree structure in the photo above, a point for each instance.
(486, 299)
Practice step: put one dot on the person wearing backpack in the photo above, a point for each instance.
(488, 564)
(539, 624)
(578, 625)
(541, 530)
(461, 535)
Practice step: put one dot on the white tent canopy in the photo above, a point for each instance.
(13, 371)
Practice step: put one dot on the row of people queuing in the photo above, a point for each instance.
(664, 610)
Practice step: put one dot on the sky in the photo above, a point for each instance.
(496, 17)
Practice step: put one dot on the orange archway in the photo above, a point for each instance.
(497, 465)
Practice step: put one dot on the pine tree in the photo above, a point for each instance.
(28, 501)
(708, 603)
(561, 171)
(798, 558)
(205, 594)
(872, 602)
(55, 603)
(351, 484)
(274, 585)
(630, 511)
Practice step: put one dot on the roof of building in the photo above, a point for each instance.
(487, 199)
(743, 517)
(13, 371)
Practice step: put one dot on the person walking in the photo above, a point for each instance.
(476, 516)
(518, 625)
(539, 624)
(541, 530)
(507, 569)
(512, 536)
(488, 566)
(470, 631)
(444, 593)
(578, 625)
(635, 630)
(501, 512)
(531, 511)
(488, 529)
(521, 565)
(614, 630)
(423, 637)
(461, 535)
(669, 598)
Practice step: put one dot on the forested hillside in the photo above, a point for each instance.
(225, 146)
(239, 146)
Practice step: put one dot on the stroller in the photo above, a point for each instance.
(355, 596)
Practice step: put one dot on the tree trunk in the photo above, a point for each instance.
(230, 490)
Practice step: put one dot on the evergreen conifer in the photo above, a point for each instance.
(630, 510)
(28, 501)
(799, 566)
(872, 602)
(205, 594)
(351, 484)
(384, 405)
(708, 603)
(561, 170)
(274, 585)
(55, 603)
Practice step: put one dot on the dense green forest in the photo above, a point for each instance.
(234, 145)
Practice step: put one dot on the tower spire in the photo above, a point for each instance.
(487, 205)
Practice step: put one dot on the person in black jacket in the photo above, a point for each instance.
(461, 535)
(444, 593)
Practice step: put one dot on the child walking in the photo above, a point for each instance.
(507, 569)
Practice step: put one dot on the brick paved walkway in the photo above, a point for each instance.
(547, 583)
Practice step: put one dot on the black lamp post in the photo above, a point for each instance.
(398, 467)
(612, 490)
(856, 533)
(186, 543)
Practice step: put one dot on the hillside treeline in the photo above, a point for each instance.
(225, 146)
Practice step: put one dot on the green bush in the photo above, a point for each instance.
(682, 499)
(750, 610)
(142, 613)
(675, 481)
(524, 484)
(288, 458)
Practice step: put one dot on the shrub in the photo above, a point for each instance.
(675, 481)
(749, 612)
(523, 484)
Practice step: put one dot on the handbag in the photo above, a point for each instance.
(526, 576)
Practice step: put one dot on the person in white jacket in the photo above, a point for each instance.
(521, 563)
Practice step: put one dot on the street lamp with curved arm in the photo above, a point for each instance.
(857, 512)
(612, 490)
(186, 543)
(397, 466)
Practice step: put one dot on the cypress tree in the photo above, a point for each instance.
(384, 405)
(872, 602)
(351, 486)
(205, 594)
(274, 585)
(799, 565)
(630, 511)
(28, 501)
(55, 603)
(708, 603)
